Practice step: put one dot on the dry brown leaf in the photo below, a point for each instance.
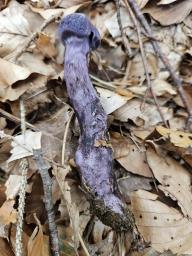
(38, 244)
(169, 14)
(23, 145)
(99, 16)
(177, 123)
(98, 231)
(161, 87)
(175, 180)
(34, 202)
(142, 3)
(9, 74)
(131, 183)
(6, 250)
(110, 100)
(137, 71)
(46, 45)
(112, 24)
(48, 13)
(72, 3)
(14, 28)
(7, 213)
(148, 117)
(178, 138)
(36, 64)
(126, 152)
(13, 184)
(53, 129)
(162, 226)
(3, 123)
(166, 2)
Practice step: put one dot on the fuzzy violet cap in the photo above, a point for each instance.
(78, 25)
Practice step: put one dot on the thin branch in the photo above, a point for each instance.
(22, 189)
(47, 187)
(144, 60)
(124, 37)
(176, 79)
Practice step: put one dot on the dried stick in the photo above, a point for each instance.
(21, 207)
(124, 37)
(144, 60)
(176, 79)
(47, 187)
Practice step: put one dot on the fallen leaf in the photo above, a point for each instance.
(6, 250)
(112, 23)
(137, 71)
(178, 138)
(166, 2)
(161, 87)
(48, 13)
(99, 15)
(131, 183)
(126, 152)
(142, 3)
(148, 117)
(13, 185)
(23, 145)
(162, 226)
(14, 28)
(98, 231)
(38, 244)
(7, 213)
(46, 45)
(169, 14)
(72, 3)
(9, 74)
(110, 100)
(52, 135)
(175, 180)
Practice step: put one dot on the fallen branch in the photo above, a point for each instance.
(22, 190)
(47, 188)
(124, 37)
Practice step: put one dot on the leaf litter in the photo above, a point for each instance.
(152, 162)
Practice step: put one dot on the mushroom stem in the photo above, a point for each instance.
(94, 154)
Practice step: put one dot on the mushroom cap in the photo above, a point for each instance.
(78, 25)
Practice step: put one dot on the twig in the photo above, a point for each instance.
(83, 245)
(176, 79)
(35, 34)
(47, 187)
(21, 206)
(144, 60)
(124, 37)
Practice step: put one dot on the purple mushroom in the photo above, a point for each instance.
(94, 154)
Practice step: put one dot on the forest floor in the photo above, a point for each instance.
(142, 73)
